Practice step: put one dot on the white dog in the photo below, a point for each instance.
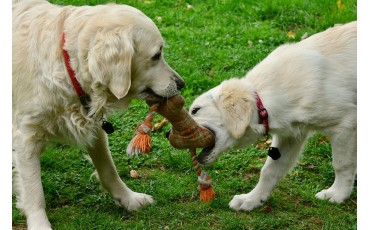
(112, 53)
(310, 85)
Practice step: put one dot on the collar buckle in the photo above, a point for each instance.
(263, 114)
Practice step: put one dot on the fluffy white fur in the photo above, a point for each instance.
(116, 53)
(309, 85)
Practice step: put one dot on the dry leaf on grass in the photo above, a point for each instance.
(159, 126)
(291, 34)
(267, 208)
(340, 5)
(264, 144)
(134, 174)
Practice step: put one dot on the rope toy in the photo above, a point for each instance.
(185, 134)
(204, 180)
(141, 143)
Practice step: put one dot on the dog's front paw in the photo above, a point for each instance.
(135, 201)
(38, 220)
(245, 202)
(332, 195)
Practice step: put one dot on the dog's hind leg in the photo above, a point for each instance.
(271, 173)
(344, 148)
(109, 178)
(27, 148)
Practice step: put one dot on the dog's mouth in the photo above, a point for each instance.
(204, 154)
(149, 93)
(151, 97)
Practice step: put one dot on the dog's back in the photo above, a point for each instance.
(317, 75)
(338, 45)
(31, 60)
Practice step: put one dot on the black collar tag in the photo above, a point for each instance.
(107, 126)
(274, 153)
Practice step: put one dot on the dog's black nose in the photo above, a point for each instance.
(179, 83)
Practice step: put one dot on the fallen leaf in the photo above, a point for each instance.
(306, 165)
(159, 19)
(134, 174)
(324, 140)
(291, 34)
(248, 176)
(266, 209)
(158, 126)
(340, 5)
(264, 144)
(310, 166)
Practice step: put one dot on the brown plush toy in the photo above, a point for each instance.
(185, 134)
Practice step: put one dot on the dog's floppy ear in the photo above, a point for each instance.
(235, 106)
(110, 61)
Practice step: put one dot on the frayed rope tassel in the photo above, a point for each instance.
(141, 142)
(204, 180)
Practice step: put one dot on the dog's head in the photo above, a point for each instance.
(229, 111)
(125, 56)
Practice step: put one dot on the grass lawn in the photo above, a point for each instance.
(206, 42)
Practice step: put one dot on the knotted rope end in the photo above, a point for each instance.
(141, 142)
(206, 190)
(205, 182)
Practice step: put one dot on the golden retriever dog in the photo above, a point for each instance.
(298, 88)
(115, 53)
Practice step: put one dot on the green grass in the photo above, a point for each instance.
(212, 41)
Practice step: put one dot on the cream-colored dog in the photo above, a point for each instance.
(310, 85)
(115, 52)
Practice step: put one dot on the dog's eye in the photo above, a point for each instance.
(157, 56)
(195, 110)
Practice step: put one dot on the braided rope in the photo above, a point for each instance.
(204, 180)
(141, 143)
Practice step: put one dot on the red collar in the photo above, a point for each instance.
(84, 98)
(262, 112)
